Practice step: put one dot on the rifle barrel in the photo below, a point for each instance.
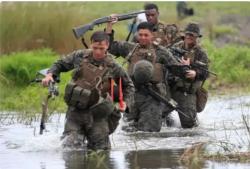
(160, 98)
(81, 30)
(197, 64)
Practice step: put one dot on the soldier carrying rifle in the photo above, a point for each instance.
(151, 61)
(91, 113)
(186, 84)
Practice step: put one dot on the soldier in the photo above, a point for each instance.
(91, 112)
(146, 111)
(183, 89)
(165, 35)
(183, 10)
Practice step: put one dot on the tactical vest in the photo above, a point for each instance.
(91, 76)
(187, 85)
(86, 78)
(149, 55)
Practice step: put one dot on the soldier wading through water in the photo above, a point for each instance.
(146, 112)
(184, 87)
(91, 113)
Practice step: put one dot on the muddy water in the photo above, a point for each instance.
(221, 124)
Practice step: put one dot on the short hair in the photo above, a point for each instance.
(145, 25)
(99, 36)
(149, 6)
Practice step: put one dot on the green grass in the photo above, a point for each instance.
(32, 25)
(21, 68)
(18, 93)
(231, 63)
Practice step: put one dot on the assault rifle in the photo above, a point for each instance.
(170, 103)
(81, 30)
(52, 92)
(178, 53)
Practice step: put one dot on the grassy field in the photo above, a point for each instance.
(32, 25)
(18, 92)
(32, 35)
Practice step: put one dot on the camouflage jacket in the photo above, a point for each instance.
(123, 48)
(73, 61)
(196, 54)
(162, 56)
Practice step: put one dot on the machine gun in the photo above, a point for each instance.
(81, 30)
(178, 53)
(52, 93)
(171, 103)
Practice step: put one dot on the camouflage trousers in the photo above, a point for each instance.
(81, 125)
(146, 112)
(187, 104)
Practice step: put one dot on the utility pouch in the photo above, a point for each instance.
(201, 100)
(76, 96)
(68, 91)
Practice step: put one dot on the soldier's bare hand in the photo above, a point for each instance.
(185, 61)
(191, 74)
(113, 19)
(47, 79)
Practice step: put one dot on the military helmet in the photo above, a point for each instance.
(143, 72)
(193, 28)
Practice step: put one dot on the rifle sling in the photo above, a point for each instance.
(84, 43)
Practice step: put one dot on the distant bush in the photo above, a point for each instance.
(231, 63)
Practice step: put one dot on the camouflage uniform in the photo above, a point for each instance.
(172, 35)
(183, 90)
(146, 111)
(165, 34)
(85, 117)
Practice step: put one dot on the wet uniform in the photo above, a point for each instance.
(91, 113)
(146, 111)
(183, 90)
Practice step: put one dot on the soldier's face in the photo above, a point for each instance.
(144, 37)
(99, 49)
(190, 39)
(152, 16)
